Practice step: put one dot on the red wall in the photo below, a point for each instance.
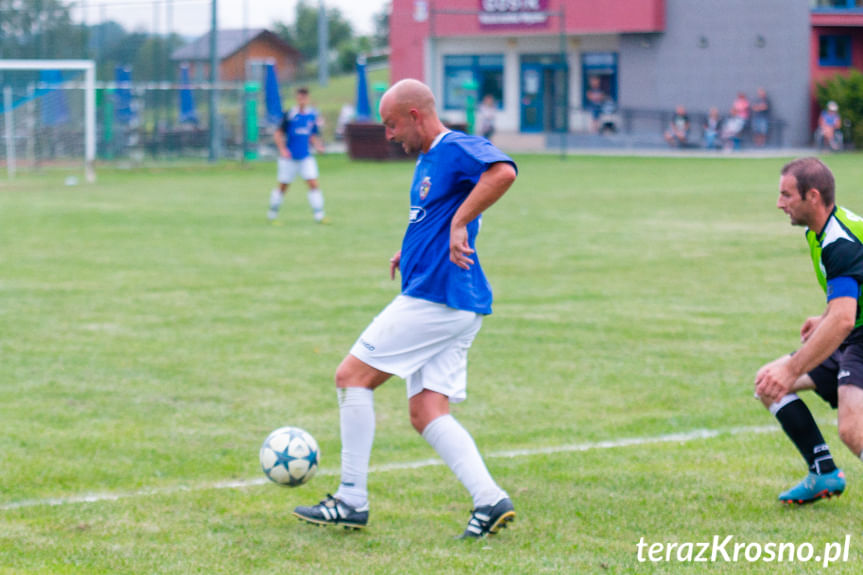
(408, 37)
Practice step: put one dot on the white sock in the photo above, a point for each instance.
(861, 455)
(316, 201)
(276, 197)
(776, 406)
(458, 450)
(357, 417)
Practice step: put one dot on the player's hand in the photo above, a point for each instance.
(285, 154)
(809, 327)
(774, 380)
(459, 248)
(394, 264)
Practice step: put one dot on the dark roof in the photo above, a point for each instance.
(228, 42)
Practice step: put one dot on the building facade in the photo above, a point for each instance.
(537, 57)
(836, 43)
(241, 55)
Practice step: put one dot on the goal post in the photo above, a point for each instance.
(88, 67)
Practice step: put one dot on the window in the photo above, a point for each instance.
(834, 50)
(484, 72)
(837, 4)
(601, 67)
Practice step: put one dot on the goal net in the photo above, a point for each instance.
(48, 117)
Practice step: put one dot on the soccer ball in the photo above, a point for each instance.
(290, 456)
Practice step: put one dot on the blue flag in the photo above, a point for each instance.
(187, 104)
(364, 109)
(271, 94)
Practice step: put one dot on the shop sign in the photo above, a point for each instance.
(513, 13)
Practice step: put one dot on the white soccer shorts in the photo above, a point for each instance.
(423, 342)
(289, 167)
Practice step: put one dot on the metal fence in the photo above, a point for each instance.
(138, 122)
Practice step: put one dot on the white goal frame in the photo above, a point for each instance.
(89, 69)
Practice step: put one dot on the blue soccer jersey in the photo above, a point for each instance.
(298, 128)
(444, 177)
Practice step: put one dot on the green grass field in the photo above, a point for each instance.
(154, 329)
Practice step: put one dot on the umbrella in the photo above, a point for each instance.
(123, 94)
(364, 109)
(271, 94)
(187, 104)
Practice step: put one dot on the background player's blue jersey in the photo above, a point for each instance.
(298, 129)
(444, 177)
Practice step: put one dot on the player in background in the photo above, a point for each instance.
(830, 359)
(424, 335)
(298, 129)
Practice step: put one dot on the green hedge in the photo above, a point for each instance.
(847, 91)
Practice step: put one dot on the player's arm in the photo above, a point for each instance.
(810, 325)
(280, 138)
(774, 380)
(394, 264)
(491, 186)
(317, 143)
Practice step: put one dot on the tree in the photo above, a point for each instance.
(348, 52)
(847, 91)
(303, 33)
(39, 29)
(381, 34)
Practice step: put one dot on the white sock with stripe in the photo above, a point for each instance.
(316, 201)
(276, 197)
(458, 450)
(357, 418)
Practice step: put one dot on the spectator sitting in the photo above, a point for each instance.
(712, 129)
(732, 128)
(677, 134)
(829, 130)
(760, 118)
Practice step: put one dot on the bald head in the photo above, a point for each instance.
(409, 113)
(407, 94)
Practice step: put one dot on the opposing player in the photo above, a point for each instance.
(424, 335)
(298, 129)
(830, 361)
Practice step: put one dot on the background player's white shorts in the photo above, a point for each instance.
(423, 342)
(288, 169)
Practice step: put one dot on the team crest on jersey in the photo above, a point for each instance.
(425, 186)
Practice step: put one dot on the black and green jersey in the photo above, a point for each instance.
(837, 252)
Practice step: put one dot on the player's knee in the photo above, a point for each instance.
(418, 418)
(345, 376)
(420, 415)
(850, 434)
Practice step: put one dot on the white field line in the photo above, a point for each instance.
(513, 453)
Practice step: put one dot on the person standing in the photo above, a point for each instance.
(298, 129)
(486, 115)
(424, 334)
(596, 99)
(760, 118)
(830, 359)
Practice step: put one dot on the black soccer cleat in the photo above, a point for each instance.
(332, 511)
(489, 519)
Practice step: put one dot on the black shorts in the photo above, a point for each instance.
(843, 367)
